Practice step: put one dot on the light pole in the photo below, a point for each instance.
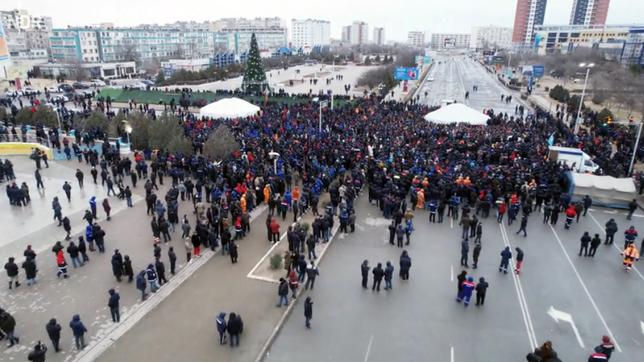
(583, 92)
(322, 104)
(274, 156)
(637, 143)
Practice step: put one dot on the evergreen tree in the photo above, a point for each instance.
(254, 75)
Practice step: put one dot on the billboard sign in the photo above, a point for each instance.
(538, 70)
(4, 48)
(406, 73)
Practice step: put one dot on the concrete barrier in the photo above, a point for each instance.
(23, 148)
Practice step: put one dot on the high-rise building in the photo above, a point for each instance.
(5, 61)
(379, 36)
(589, 12)
(235, 33)
(529, 13)
(416, 39)
(310, 32)
(25, 32)
(491, 36)
(446, 41)
(346, 34)
(359, 33)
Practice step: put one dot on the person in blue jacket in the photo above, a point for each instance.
(221, 327)
(78, 329)
(465, 293)
(506, 255)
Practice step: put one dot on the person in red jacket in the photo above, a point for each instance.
(275, 231)
(501, 212)
(570, 215)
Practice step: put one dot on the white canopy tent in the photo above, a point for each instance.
(457, 113)
(229, 108)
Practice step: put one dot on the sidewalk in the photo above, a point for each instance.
(85, 291)
(218, 286)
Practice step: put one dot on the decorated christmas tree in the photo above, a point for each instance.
(254, 76)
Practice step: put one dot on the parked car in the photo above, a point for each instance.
(59, 96)
(29, 91)
(97, 83)
(79, 85)
(65, 88)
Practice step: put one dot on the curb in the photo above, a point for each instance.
(265, 351)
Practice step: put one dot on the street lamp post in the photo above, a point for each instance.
(583, 92)
(274, 156)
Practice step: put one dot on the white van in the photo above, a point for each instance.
(573, 158)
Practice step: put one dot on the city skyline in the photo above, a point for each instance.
(492, 12)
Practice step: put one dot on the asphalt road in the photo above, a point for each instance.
(420, 320)
(454, 75)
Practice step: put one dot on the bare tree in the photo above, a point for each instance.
(127, 52)
(221, 143)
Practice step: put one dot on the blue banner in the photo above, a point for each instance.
(538, 70)
(406, 73)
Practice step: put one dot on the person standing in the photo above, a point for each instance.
(460, 279)
(465, 293)
(506, 255)
(58, 210)
(160, 268)
(465, 249)
(519, 260)
(221, 327)
(308, 311)
(282, 292)
(594, 244)
(61, 263)
(232, 249)
(185, 227)
(74, 254)
(53, 331)
(481, 289)
(235, 327)
(632, 206)
(67, 226)
(588, 202)
(127, 268)
(611, 230)
(12, 272)
(389, 273)
(141, 284)
(479, 233)
(405, 265)
(400, 233)
(152, 280)
(39, 184)
(392, 232)
(113, 304)
(378, 273)
(475, 255)
(364, 270)
(78, 330)
(312, 272)
(107, 208)
(117, 265)
(585, 241)
(29, 265)
(173, 259)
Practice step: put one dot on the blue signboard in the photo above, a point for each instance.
(406, 73)
(538, 70)
(426, 59)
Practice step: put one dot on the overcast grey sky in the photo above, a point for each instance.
(397, 17)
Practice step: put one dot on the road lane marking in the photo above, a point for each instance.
(614, 245)
(518, 287)
(558, 315)
(583, 285)
(451, 273)
(451, 353)
(368, 351)
(642, 326)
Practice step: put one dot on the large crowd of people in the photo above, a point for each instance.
(287, 162)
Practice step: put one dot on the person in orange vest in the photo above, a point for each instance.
(242, 203)
(631, 254)
(420, 199)
(295, 194)
(465, 293)
(267, 194)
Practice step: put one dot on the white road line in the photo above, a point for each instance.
(518, 287)
(268, 253)
(451, 273)
(583, 285)
(451, 353)
(451, 222)
(614, 245)
(368, 351)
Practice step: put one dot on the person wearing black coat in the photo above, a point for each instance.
(113, 303)
(594, 244)
(232, 248)
(585, 242)
(465, 248)
(127, 268)
(364, 269)
(235, 327)
(38, 354)
(30, 270)
(405, 265)
(481, 289)
(611, 229)
(12, 272)
(475, 255)
(67, 227)
(53, 331)
(117, 265)
(378, 273)
(460, 279)
(308, 311)
(173, 259)
(392, 232)
(82, 249)
(160, 268)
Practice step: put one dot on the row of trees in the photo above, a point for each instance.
(404, 57)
